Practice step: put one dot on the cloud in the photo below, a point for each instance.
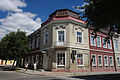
(24, 21)
(17, 18)
(12, 5)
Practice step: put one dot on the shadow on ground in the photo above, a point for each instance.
(99, 77)
(8, 68)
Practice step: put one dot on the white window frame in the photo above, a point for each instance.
(82, 59)
(95, 60)
(60, 52)
(105, 60)
(91, 41)
(79, 36)
(101, 60)
(103, 43)
(118, 62)
(110, 47)
(116, 48)
(112, 60)
(44, 39)
(97, 41)
(64, 35)
(38, 42)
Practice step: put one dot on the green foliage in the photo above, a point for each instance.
(103, 14)
(14, 45)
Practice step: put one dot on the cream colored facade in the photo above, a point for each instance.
(70, 43)
(117, 51)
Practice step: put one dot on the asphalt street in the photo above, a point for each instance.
(12, 75)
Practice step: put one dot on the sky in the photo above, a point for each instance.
(28, 15)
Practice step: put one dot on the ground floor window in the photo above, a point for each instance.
(118, 61)
(106, 60)
(111, 60)
(79, 59)
(37, 59)
(93, 60)
(61, 58)
(100, 60)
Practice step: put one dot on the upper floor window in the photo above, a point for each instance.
(94, 60)
(80, 59)
(29, 44)
(61, 36)
(98, 42)
(106, 60)
(116, 44)
(111, 60)
(45, 38)
(38, 42)
(104, 43)
(109, 44)
(93, 43)
(33, 43)
(79, 37)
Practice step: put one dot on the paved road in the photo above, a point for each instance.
(12, 75)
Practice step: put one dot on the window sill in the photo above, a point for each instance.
(79, 43)
(60, 65)
(93, 45)
(80, 65)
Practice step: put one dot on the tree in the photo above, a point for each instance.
(102, 14)
(14, 45)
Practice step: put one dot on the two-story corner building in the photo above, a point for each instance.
(101, 52)
(65, 40)
(116, 43)
(64, 43)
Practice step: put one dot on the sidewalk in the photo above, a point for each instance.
(48, 73)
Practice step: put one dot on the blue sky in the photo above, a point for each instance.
(27, 15)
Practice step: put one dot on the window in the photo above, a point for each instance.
(32, 60)
(45, 41)
(80, 59)
(37, 59)
(106, 60)
(29, 44)
(109, 44)
(104, 43)
(61, 36)
(116, 44)
(38, 42)
(93, 60)
(33, 43)
(111, 60)
(60, 58)
(100, 60)
(118, 61)
(98, 42)
(79, 37)
(93, 43)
